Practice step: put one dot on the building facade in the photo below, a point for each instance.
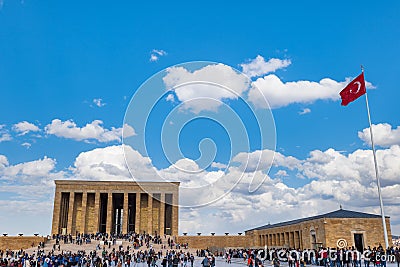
(341, 228)
(116, 207)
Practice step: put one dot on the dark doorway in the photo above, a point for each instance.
(103, 212)
(314, 239)
(64, 206)
(118, 212)
(168, 214)
(359, 242)
(131, 212)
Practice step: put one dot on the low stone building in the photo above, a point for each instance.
(340, 228)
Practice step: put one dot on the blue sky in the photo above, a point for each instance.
(65, 65)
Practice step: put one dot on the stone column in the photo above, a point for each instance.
(162, 214)
(301, 239)
(96, 215)
(83, 217)
(70, 212)
(55, 227)
(150, 213)
(137, 215)
(279, 239)
(286, 239)
(283, 239)
(291, 239)
(125, 218)
(296, 239)
(109, 214)
(175, 216)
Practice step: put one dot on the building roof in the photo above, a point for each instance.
(113, 182)
(337, 214)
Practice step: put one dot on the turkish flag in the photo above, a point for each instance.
(353, 90)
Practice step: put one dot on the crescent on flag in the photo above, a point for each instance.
(358, 89)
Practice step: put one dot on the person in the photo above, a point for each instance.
(302, 262)
(397, 255)
(250, 261)
(164, 262)
(366, 255)
(175, 261)
(290, 260)
(185, 260)
(276, 262)
(205, 262)
(212, 261)
(153, 261)
(191, 260)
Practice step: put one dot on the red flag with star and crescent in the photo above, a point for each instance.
(353, 90)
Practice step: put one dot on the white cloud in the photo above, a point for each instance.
(358, 165)
(5, 137)
(153, 58)
(156, 54)
(128, 131)
(27, 191)
(102, 164)
(170, 97)
(281, 173)
(26, 145)
(258, 66)
(254, 161)
(91, 131)
(383, 133)
(25, 127)
(3, 161)
(280, 94)
(218, 165)
(305, 111)
(99, 102)
(204, 89)
(36, 168)
(41, 172)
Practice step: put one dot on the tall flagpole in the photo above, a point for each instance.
(378, 181)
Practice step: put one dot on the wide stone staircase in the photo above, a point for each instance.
(96, 245)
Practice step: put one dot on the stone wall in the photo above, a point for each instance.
(371, 229)
(203, 242)
(20, 242)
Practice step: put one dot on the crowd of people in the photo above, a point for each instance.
(114, 258)
(327, 257)
(110, 252)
